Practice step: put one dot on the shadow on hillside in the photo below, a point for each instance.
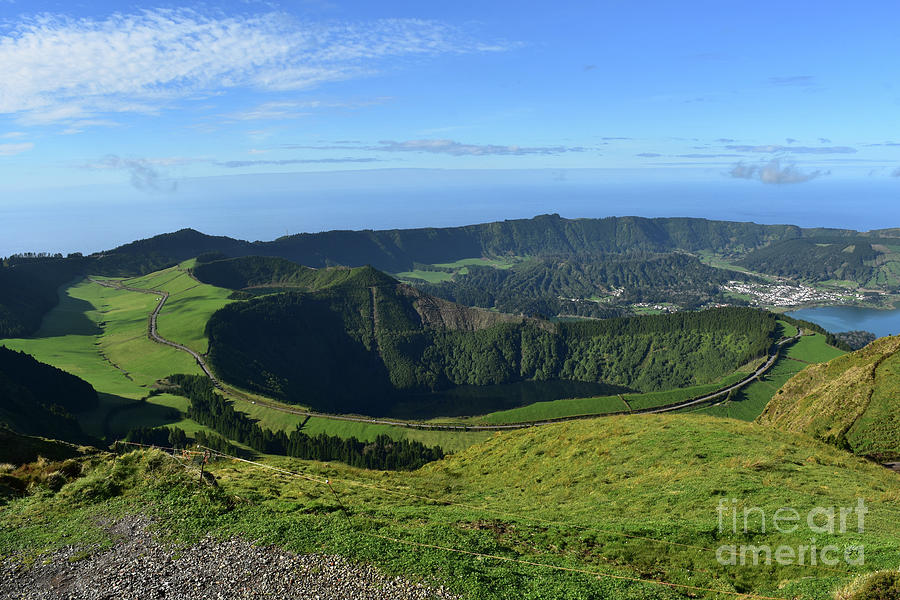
(68, 318)
(128, 414)
(471, 400)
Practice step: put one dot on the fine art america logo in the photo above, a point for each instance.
(820, 521)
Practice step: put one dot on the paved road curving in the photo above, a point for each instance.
(153, 330)
(154, 335)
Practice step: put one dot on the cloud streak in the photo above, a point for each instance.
(449, 147)
(773, 148)
(13, 149)
(57, 68)
(774, 172)
(233, 164)
(454, 148)
(295, 110)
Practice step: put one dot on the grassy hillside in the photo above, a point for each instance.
(100, 335)
(190, 304)
(614, 501)
(851, 401)
(18, 449)
(749, 402)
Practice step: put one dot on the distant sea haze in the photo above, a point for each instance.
(264, 207)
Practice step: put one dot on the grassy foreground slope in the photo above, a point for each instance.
(624, 498)
(851, 401)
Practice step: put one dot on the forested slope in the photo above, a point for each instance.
(355, 346)
(396, 250)
(817, 258)
(38, 399)
(266, 271)
(554, 285)
(28, 289)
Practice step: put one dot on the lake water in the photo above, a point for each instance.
(849, 318)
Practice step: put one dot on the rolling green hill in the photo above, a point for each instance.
(397, 250)
(851, 401)
(400, 250)
(357, 344)
(268, 272)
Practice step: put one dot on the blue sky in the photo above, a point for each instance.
(149, 96)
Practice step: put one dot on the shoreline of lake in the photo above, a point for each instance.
(882, 321)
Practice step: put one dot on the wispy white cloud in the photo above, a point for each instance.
(773, 148)
(231, 164)
(294, 110)
(80, 125)
(450, 147)
(774, 172)
(459, 149)
(13, 149)
(10, 135)
(57, 68)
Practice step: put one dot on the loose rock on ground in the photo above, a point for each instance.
(140, 567)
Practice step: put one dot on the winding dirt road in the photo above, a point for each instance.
(153, 333)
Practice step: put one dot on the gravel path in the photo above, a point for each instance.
(140, 568)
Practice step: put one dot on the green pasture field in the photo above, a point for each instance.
(750, 401)
(100, 334)
(450, 441)
(787, 330)
(461, 267)
(190, 304)
(429, 276)
(842, 283)
(497, 263)
(605, 404)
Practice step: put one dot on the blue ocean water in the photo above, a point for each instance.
(264, 207)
